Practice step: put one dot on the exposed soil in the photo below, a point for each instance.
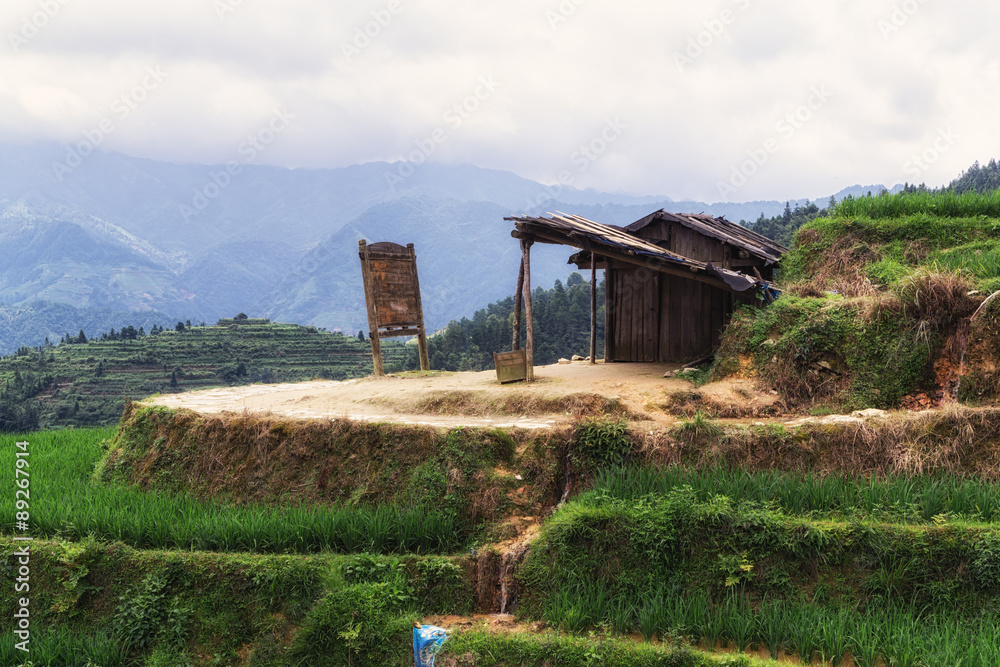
(560, 392)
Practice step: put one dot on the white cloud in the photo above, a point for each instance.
(563, 67)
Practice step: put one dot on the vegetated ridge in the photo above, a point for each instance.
(80, 382)
(877, 307)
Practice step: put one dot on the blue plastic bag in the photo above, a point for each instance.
(427, 642)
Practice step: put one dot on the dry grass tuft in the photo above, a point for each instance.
(955, 440)
(840, 268)
(483, 404)
(939, 298)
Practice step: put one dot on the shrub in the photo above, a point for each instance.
(602, 442)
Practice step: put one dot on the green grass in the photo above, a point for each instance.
(66, 503)
(916, 499)
(980, 258)
(941, 204)
(485, 649)
(893, 634)
(886, 238)
(889, 571)
(64, 648)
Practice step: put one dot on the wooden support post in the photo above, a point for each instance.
(370, 303)
(516, 345)
(610, 303)
(593, 308)
(529, 347)
(425, 364)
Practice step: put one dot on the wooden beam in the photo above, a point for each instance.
(425, 363)
(373, 334)
(529, 347)
(525, 236)
(593, 311)
(516, 345)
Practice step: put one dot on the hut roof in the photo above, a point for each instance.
(719, 229)
(620, 243)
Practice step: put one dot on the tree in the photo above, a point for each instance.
(82, 338)
(173, 380)
(361, 335)
(179, 326)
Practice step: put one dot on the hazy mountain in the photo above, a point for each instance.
(121, 234)
(31, 324)
(466, 258)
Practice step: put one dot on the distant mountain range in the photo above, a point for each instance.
(123, 239)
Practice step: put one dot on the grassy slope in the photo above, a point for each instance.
(700, 550)
(902, 567)
(468, 478)
(876, 306)
(109, 603)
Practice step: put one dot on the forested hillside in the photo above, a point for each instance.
(782, 228)
(562, 329)
(978, 178)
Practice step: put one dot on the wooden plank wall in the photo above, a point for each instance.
(635, 326)
(658, 317)
(687, 242)
(690, 243)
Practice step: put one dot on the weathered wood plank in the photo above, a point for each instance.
(516, 344)
(530, 340)
(511, 366)
(593, 311)
(373, 335)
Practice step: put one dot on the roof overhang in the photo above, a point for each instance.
(616, 243)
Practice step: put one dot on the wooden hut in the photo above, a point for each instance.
(672, 279)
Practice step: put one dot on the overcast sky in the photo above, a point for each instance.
(719, 100)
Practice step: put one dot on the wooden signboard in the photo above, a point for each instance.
(511, 366)
(392, 294)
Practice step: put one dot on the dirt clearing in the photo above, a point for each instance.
(559, 392)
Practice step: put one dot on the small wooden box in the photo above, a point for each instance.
(511, 366)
